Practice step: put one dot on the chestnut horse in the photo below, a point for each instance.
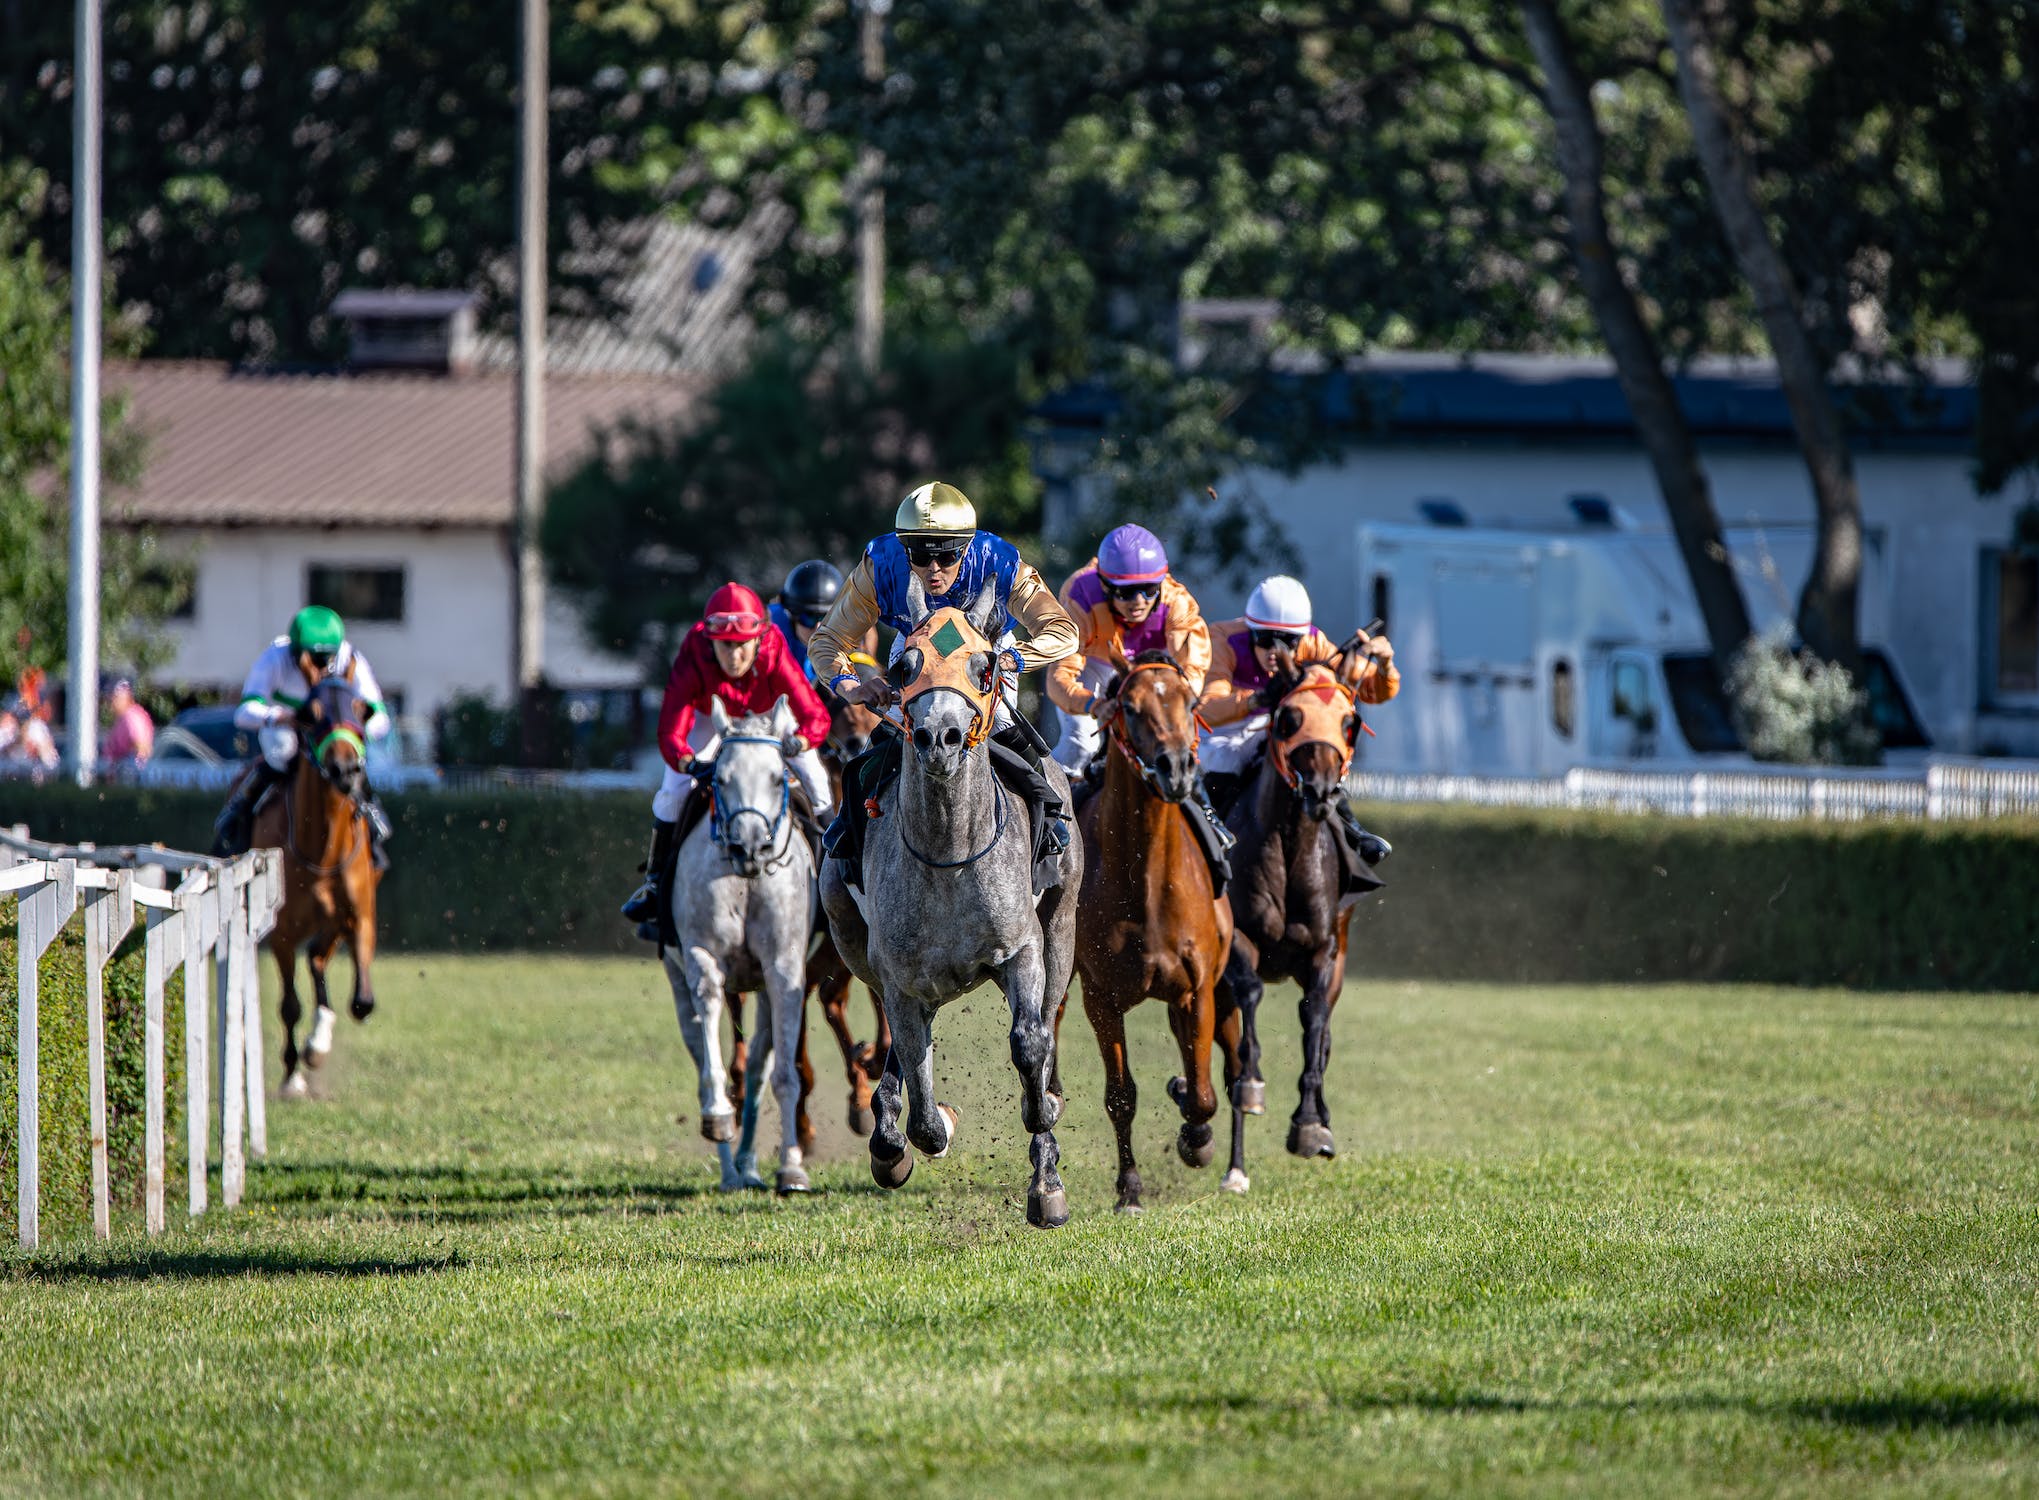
(1289, 900)
(1150, 924)
(329, 874)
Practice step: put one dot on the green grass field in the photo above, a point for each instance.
(1579, 1240)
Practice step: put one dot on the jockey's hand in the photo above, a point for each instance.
(872, 692)
(1377, 647)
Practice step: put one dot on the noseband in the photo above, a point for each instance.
(721, 817)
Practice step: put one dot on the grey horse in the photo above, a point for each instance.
(947, 903)
(743, 906)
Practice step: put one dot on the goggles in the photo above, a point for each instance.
(321, 656)
(735, 625)
(934, 551)
(1267, 640)
(1132, 591)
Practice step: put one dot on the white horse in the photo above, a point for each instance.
(743, 906)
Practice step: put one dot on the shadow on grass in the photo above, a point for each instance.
(210, 1265)
(453, 1188)
(1934, 1410)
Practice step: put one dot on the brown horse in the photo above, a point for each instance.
(329, 874)
(1289, 896)
(1149, 924)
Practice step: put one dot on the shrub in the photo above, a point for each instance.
(1792, 707)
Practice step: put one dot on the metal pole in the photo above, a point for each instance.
(528, 637)
(83, 700)
(871, 205)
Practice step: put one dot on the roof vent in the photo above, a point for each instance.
(1593, 510)
(426, 331)
(1439, 511)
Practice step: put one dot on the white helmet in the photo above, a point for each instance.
(1279, 603)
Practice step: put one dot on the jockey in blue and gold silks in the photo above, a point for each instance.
(935, 557)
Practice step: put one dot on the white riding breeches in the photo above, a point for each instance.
(1230, 746)
(806, 767)
(279, 745)
(671, 795)
(1079, 731)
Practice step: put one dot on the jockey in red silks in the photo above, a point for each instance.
(735, 656)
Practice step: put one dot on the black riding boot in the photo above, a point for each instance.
(647, 905)
(1026, 745)
(234, 831)
(379, 828)
(1202, 798)
(1371, 846)
(1220, 791)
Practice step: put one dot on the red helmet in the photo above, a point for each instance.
(735, 613)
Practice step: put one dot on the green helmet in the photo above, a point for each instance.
(316, 628)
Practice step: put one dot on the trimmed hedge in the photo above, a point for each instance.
(1472, 893)
(66, 1118)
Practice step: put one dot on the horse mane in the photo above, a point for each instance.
(1156, 656)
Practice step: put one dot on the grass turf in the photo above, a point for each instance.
(1578, 1240)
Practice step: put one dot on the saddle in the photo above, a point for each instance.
(868, 778)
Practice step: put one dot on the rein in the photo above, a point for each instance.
(720, 817)
(998, 821)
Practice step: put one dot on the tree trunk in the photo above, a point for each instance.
(1827, 606)
(1637, 363)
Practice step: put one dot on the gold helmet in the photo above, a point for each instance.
(936, 509)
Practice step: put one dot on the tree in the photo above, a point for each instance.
(1827, 607)
(138, 586)
(1638, 363)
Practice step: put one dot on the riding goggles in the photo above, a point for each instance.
(322, 659)
(934, 552)
(735, 625)
(1267, 640)
(1131, 591)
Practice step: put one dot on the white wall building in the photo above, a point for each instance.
(1508, 441)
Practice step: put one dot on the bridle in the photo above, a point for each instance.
(722, 817)
(1114, 715)
(944, 667)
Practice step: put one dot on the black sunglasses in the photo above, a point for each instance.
(810, 617)
(1132, 591)
(926, 554)
(322, 659)
(1267, 640)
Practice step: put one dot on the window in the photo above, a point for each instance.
(1709, 727)
(357, 593)
(2010, 635)
(1564, 702)
(1632, 694)
(1382, 592)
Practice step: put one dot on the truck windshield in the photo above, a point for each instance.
(1703, 715)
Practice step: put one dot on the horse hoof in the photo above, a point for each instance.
(1195, 1153)
(1235, 1181)
(1048, 1210)
(791, 1180)
(295, 1087)
(1130, 1207)
(1251, 1096)
(1311, 1140)
(893, 1173)
(948, 1112)
(362, 1007)
(719, 1128)
(862, 1121)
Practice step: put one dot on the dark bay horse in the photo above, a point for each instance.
(1149, 924)
(1288, 900)
(329, 874)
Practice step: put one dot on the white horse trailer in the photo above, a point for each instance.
(1525, 653)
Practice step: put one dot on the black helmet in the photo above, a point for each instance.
(811, 588)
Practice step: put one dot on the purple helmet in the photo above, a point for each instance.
(1132, 554)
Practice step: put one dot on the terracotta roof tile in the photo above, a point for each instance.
(232, 448)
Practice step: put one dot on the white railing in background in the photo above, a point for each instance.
(214, 917)
(1937, 791)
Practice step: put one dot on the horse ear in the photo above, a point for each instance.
(718, 716)
(981, 609)
(916, 602)
(784, 725)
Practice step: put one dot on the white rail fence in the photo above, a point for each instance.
(1935, 791)
(210, 923)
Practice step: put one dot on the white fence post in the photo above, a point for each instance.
(163, 951)
(228, 962)
(109, 914)
(202, 925)
(264, 894)
(41, 911)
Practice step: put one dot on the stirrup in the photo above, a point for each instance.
(643, 904)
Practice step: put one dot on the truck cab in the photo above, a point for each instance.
(1525, 653)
